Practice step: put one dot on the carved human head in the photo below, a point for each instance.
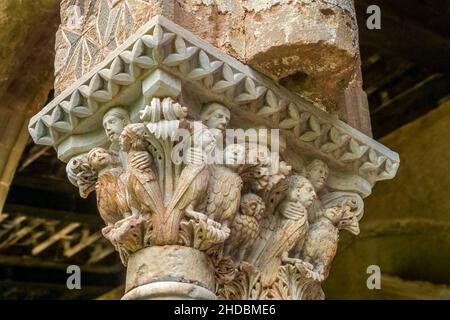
(215, 116)
(301, 190)
(100, 158)
(114, 121)
(317, 172)
(252, 205)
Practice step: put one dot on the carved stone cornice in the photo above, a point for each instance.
(161, 44)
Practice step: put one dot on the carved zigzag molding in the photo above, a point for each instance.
(162, 44)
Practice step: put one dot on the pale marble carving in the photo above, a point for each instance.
(266, 229)
(216, 116)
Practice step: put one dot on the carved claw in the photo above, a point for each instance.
(134, 213)
(286, 259)
(216, 225)
(308, 267)
(320, 273)
(198, 216)
(316, 275)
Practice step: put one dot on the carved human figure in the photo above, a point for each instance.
(144, 193)
(101, 170)
(317, 172)
(300, 197)
(114, 121)
(245, 226)
(290, 228)
(216, 116)
(322, 239)
(191, 189)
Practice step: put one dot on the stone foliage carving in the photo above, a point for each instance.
(270, 234)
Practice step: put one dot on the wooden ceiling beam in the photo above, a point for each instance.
(51, 214)
(404, 33)
(410, 105)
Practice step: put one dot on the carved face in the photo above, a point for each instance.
(318, 174)
(351, 225)
(218, 119)
(100, 158)
(234, 156)
(334, 214)
(113, 127)
(349, 220)
(303, 192)
(252, 206)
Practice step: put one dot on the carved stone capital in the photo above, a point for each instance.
(192, 213)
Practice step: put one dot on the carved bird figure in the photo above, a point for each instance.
(245, 226)
(110, 189)
(225, 184)
(322, 238)
(144, 193)
(192, 186)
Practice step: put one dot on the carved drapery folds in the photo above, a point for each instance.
(146, 131)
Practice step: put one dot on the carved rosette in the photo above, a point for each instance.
(191, 214)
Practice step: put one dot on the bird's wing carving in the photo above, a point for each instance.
(108, 199)
(188, 174)
(320, 245)
(143, 182)
(224, 195)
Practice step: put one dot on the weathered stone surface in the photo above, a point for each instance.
(354, 106)
(168, 290)
(27, 33)
(183, 264)
(309, 46)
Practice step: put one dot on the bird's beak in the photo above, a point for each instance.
(353, 227)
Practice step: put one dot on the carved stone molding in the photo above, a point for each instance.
(160, 44)
(189, 216)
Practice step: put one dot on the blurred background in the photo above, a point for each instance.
(45, 226)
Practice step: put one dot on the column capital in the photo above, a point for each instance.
(144, 130)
